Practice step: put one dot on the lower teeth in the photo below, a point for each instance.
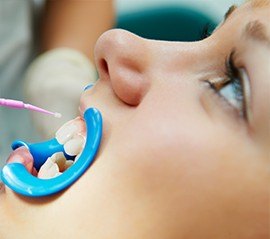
(54, 166)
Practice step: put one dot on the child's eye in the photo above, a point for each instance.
(234, 88)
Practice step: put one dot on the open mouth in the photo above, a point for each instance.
(72, 135)
(78, 140)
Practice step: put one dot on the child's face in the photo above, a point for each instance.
(177, 160)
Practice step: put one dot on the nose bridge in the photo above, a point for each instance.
(174, 57)
(132, 63)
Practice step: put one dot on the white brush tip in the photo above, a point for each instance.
(57, 115)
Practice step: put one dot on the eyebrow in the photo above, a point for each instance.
(229, 12)
(254, 30)
(257, 31)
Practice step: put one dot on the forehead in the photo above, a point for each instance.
(251, 10)
(259, 3)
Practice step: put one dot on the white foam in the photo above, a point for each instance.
(57, 115)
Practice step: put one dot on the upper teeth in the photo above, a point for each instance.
(66, 132)
(74, 146)
(72, 136)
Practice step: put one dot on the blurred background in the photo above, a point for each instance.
(182, 20)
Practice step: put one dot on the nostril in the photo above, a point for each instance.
(104, 66)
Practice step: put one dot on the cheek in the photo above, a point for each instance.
(166, 146)
(158, 148)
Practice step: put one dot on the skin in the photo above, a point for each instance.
(74, 24)
(176, 161)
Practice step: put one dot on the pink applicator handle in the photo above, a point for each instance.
(16, 104)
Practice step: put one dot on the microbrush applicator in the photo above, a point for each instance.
(16, 104)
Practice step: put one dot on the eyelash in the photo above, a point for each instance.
(233, 74)
(206, 31)
(232, 77)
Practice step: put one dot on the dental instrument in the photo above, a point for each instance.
(15, 175)
(16, 104)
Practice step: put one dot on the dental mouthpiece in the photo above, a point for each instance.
(16, 104)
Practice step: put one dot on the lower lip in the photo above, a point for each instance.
(2, 187)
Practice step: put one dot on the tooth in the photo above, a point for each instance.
(77, 157)
(74, 146)
(60, 160)
(70, 130)
(66, 132)
(68, 164)
(49, 169)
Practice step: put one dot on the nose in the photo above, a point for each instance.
(121, 58)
